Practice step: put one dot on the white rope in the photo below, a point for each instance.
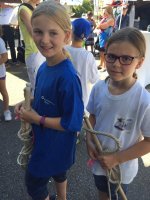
(25, 133)
(113, 175)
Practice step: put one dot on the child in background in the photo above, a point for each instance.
(33, 58)
(90, 39)
(82, 59)
(3, 89)
(120, 106)
(58, 106)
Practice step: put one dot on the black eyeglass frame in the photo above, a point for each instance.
(119, 58)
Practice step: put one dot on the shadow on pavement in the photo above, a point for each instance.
(18, 70)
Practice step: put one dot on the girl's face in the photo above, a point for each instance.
(49, 38)
(105, 14)
(119, 71)
(35, 1)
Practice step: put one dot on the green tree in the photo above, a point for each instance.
(86, 6)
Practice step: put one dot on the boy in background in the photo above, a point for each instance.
(82, 59)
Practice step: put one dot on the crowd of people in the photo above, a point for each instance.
(59, 69)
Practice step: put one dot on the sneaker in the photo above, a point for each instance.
(7, 115)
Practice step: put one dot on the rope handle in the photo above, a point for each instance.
(100, 149)
(27, 96)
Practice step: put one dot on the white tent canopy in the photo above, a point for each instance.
(71, 2)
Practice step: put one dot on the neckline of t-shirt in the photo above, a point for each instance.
(53, 67)
(120, 96)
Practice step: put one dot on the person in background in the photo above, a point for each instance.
(90, 39)
(33, 58)
(122, 19)
(106, 27)
(142, 12)
(9, 39)
(120, 106)
(3, 89)
(57, 105)
(82, 59)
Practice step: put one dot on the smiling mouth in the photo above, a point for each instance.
(46, 48)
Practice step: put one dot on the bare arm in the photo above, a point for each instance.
(91, 149)
(26, 18)
(105, 25)
(3, 58)
(33, 117)
(137, 150)
(94, 24)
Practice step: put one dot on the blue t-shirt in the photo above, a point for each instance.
(57, 94)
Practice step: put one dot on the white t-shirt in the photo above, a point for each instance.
(2, 50)
(85, 65)
(125, 116)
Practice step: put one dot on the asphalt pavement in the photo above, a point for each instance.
(80, 180)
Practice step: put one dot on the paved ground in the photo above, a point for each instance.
(80, 186)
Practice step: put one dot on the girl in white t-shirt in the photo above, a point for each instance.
(120, 106)
(3, 90)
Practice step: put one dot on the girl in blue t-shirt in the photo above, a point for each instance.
(57, 105)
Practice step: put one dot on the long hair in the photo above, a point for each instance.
(109, 10)
(54, 11)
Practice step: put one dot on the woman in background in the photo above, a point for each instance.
(106, 26)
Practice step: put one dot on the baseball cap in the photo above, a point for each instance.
(81, 28)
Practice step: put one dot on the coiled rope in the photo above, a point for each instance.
(113, 175)
(25, 132)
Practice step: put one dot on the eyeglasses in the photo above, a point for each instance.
(124, 60)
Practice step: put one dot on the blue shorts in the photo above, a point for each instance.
(3, 78)
(102, 185)
(37, 187)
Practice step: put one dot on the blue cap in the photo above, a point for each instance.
(81, 28)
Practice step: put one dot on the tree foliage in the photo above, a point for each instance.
(86, 6)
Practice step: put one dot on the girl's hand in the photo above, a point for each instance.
(92, 152)
(29, 116)
(17, 109)
(108, 161)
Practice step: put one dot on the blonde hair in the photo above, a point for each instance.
(109, 10)
(58, 13)
(55, 11)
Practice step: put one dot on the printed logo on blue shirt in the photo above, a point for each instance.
(46, 101)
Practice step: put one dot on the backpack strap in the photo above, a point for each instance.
(31, 8)
(27, 5)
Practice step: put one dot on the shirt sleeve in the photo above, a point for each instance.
(93, 73)
(2, 46)
(145, 126)
(90, 105)
(72, 104)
